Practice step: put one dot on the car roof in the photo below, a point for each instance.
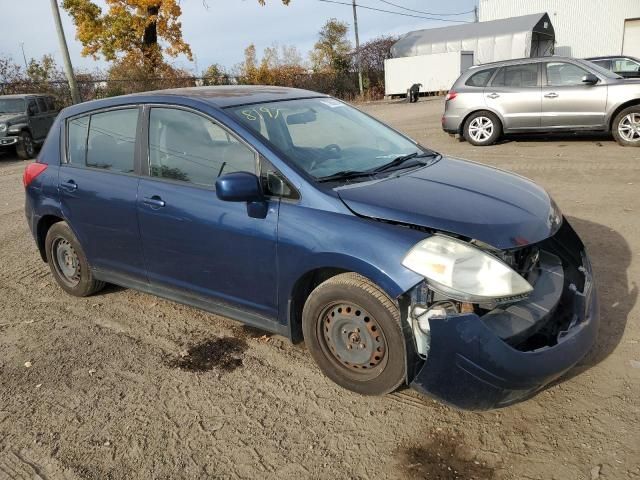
(24, 95)
(517, 61)
(234, 95)
(609, 57)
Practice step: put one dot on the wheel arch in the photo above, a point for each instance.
(619, 108)
(42, 228)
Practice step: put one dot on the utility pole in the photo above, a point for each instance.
(24, 57)
(68, 68)
(358, 59)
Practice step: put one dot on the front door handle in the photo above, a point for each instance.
(493, 96)
(154, 201)
(69, 186)
(551, 95)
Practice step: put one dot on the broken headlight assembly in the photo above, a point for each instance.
(462, 272)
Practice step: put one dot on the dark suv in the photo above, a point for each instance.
(25, 121)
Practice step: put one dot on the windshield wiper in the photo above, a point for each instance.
(345, 175)
(402, 159)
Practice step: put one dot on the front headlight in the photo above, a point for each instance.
(464, 273)
(3, 127)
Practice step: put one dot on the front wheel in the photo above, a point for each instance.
(482, 129)
(353, 331)
(626, 127)
(25, 149)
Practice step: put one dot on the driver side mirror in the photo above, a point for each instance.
(590, 79)
(239, 187)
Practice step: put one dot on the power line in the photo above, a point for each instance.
(426, 13)
(394, 13)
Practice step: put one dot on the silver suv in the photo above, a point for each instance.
(547, 94)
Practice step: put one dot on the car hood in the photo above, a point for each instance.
(11, 117)
(460, 197)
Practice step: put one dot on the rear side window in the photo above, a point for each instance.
(480, 79)
(41, 104)
(103, 140)
(517, 76)
(51, 105)
(189, 147)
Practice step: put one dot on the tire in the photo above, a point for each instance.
(68, 263)
(353, 331)
(482, 128)
(626, 127)
(25, 149)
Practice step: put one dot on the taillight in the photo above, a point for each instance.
(31, 172)
(450, 96)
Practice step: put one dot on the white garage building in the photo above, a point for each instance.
(583, 28)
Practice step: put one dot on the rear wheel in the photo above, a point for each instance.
(482, 128)
(626, 127)
(68, 262)
(25, 149)
(353, 331)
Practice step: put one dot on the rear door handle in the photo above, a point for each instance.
(551, 95)
(69, 186)
(154, 201)
(493, 95)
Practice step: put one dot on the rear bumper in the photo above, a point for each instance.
(451, 123)
(470, 367)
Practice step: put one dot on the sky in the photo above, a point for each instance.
(220, 31)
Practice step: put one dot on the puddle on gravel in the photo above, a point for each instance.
(441, 460)
(223, 353)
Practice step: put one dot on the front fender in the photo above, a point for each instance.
(310, 239)
(16, 128)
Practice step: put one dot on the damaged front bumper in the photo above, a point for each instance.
(480, 362)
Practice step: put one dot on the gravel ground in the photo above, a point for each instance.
(110, 387)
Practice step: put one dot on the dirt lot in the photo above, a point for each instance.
(103, 394)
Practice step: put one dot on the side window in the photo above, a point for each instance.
(191, 148)
(42, 106)
(111, 142)
(51, 105)
(517, 76)
(480, 79)
(561, 74)
(32, 108)
(625, 65)
(77, 129)
(274, 183)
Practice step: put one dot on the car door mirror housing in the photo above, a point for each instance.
(239, 187)
(590, 79)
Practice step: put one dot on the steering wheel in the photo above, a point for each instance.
(333, 151)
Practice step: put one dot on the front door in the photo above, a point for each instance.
(193, 242)
(567, 102)
(514, 92)
(98, 189)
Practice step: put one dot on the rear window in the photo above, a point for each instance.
(480, 79)
(104, 140)
(517, 76)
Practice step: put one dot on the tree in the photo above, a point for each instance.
(44, 70)
(374, 52)
(331, 52)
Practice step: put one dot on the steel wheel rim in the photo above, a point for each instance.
(481, 129)
(66, 261)
(28, 144)
(353, 340)
(629, 127)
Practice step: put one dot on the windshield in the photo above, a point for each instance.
(601, 70)
(12, 105)
(324, 136)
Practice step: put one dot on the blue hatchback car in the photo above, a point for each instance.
(296, 213)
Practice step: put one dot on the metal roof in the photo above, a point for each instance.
(421, 42)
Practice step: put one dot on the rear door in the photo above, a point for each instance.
(567, 102)
(42, 118)
(193, 241)
(98, 188)
(515, 93)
